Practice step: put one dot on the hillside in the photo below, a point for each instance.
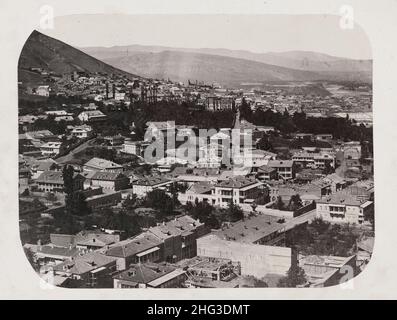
(329, 67)
(183, 66)
(41, 51)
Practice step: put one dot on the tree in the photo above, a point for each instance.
(265, 144)
(245, 110)
(295, 276)
(120, 221)
(253, 282)
(130, 202)
(234, 212)
(323, 238)
(31, 258)
(328, 169)
(174, 190)
(204, 212)
(80, 206)
(279, 204)
(67, 174)
(75, 200)
(369, 216)
(66, 223)
(295, 203)
(161, 201)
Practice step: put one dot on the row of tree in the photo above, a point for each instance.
(323, 238)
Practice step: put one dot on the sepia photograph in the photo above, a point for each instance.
(196, 150)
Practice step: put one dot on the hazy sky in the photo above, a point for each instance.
(260, 33)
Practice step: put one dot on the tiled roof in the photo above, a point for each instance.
(144, 273)
(343, 198)
(38, 134)
(201, 187)
(57, 251)
(102, 164)
(85, 263)
(43, 165)
(151, 181)
(335, 178)
(130, 247)
(175, 227)
(51, 177)
(62, 240)
(265, 169)
(251, 229)
(54, 177)
(280, 163)
(237, 182)
(83, 238)
(108, 176)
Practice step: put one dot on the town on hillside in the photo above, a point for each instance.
(131, 182)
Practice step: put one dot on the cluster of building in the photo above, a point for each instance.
(275, 192)
(183, 252)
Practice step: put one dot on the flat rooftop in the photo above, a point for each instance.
(251, 229)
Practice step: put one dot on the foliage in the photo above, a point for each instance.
(120, 221)
(31, 258)
(245, 110)
(263, 198)
(141, 112)
(99, 152)
(75, 201)
(264, 143)
(279, 204)
(56, 127)
(295, 203)
(295, 277)
(131, 202)
(323, 238)
(253, 282)
(328, 169)
(234, 212)
(204, 212)
(159, 200)
(66, 223)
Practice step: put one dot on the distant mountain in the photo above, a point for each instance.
(41, 51)
(183, 66)
(323, 65)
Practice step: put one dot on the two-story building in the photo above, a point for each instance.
(142, 187)
(143, 248)
(314, 159)
(51, 148)
(236, 190)
(81, 132)
(110, 181)
(52, 181)
(90, 270)
(342, 207)
(285, 168)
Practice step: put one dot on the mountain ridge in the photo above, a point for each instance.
(291, 59)
(182, 66)
(42, 51)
